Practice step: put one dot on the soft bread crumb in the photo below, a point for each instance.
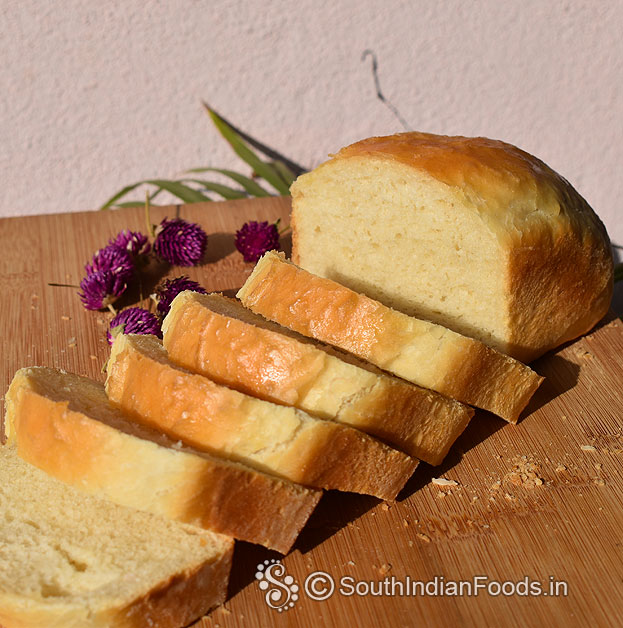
(86, 553)
(444, 482)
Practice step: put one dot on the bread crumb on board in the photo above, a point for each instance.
(524, 473)
(384, 569)
(444, 482)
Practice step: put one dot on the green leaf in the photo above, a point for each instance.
(153, 195)
(129, 204)
(297, 169)
(250, 186)
(183, 192)
(126, 190)
(265, 170)
(286, 174)
(225, 191)
(277, 176)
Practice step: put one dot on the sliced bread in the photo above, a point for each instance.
(424, 353)
(65, 425)
(71, 560)
(219, 338)
(282, 440)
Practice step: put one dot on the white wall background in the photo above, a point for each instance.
(96, 95)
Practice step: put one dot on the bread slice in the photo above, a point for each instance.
(64, 424)
(219, 338)
(71, 560)
(470, 233)
(421, 352)
(276, 439)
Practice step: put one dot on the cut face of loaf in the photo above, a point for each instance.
(470, 233)
(65, 425)
(70, 560)
(276, 439)
(421, 352)
(219, 338)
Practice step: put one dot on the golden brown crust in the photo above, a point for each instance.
(281, 440)
(456, 366)
(555, 250)
(549, 308)
(182, 599)
(217, 337)
(205, 491)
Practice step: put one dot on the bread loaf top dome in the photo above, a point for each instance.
(503, 183)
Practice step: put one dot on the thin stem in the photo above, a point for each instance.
(63, 285)
(150, 226)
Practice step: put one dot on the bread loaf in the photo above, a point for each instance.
(470, 233)
(219, 338)
(421, 352)
(277, 439)
(71, 560)
(64, 424)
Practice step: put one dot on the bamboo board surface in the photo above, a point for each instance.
(540, 502)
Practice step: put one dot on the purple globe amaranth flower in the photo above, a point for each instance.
(134, 320)
(132, 241)
(179, 242)
(114, 259)
(255, 238)
(170, 288)
(101, 288)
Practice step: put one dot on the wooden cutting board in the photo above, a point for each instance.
(540, 502)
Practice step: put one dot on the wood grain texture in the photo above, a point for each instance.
(540, 499)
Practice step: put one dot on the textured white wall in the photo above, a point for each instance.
(96, 95)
